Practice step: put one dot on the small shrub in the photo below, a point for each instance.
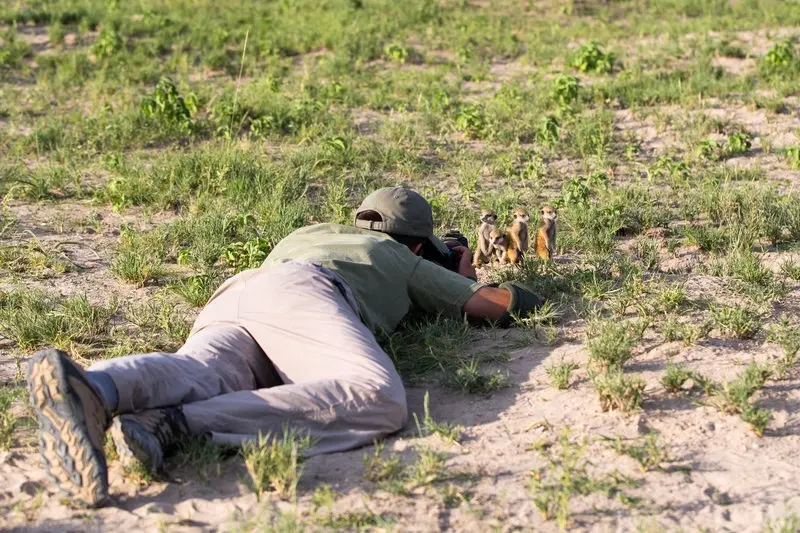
(670, 298)
(734, 396)
(780, 58)
(791, 270)
(591, 58)
(736, 321)
(786, 524)
(381, 470)
(709, 149)
(471, 120)
(560, 374)
(396, 52)
(650, 454)
(249, 254)
(709, 239)
(609, 345)
(566, 476)
(197, 289)
(470, 379)
(647, 254)
(738, 143)
(276, 464)
(675, 376)
(139, 259)
(203, 455)
(547, 131)
(758, 418)
(138, 473)
(429, 468)
(792, 155)
(8, 421)
(565, 90)
(617, 391)
(167, 105)
(108, 43)
(787, 336)
(34, 319)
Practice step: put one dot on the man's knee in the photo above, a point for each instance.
(386, 406)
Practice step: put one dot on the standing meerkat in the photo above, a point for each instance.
(546, 234)
(485, 249)
(518, 234)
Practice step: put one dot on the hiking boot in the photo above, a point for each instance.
(72, 423)
(148, 436)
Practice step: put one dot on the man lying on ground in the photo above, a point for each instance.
(291, 342)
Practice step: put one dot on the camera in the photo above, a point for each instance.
(450, 260)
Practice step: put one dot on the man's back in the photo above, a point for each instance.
(384, 275)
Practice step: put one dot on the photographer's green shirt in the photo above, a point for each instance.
(384, 275)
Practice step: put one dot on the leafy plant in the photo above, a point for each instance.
(471, 120)
(249, 254)
(567, 476)
(565, 90)
(780, 58)
(609, 345)
(396, 52)
(198, 288)
(8, 420)
(792, 155)
(591, 58)
(108, 43)
(737, 321)
(738, 143)
(276, 463)
(469, 378)
(384, 470)
(618, 391)
(560, 374)
(167, 105)
(547, 131)
(709, 149)
(675, 376)
(575, 192)
(650, 454)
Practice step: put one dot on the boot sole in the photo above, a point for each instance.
(72, 424)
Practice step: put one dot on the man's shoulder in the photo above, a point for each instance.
(331, 228)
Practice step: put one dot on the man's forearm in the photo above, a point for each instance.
(488, 302)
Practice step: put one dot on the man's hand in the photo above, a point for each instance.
(501, 304)
(465, 267)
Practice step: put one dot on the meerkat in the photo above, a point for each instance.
(500, 242)
(518, 236)
(485, 249)
(546, 234)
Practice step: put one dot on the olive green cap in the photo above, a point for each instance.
(402, 212)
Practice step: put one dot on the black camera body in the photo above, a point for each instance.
(450, 260)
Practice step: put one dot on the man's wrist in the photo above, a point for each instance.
(522, 302)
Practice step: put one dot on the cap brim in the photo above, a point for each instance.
(439, 245)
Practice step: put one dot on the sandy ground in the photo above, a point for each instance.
(719, 476)
(711, 454)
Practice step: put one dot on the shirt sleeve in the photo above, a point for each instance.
(433, 288)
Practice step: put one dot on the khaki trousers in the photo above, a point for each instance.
(275, 346)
